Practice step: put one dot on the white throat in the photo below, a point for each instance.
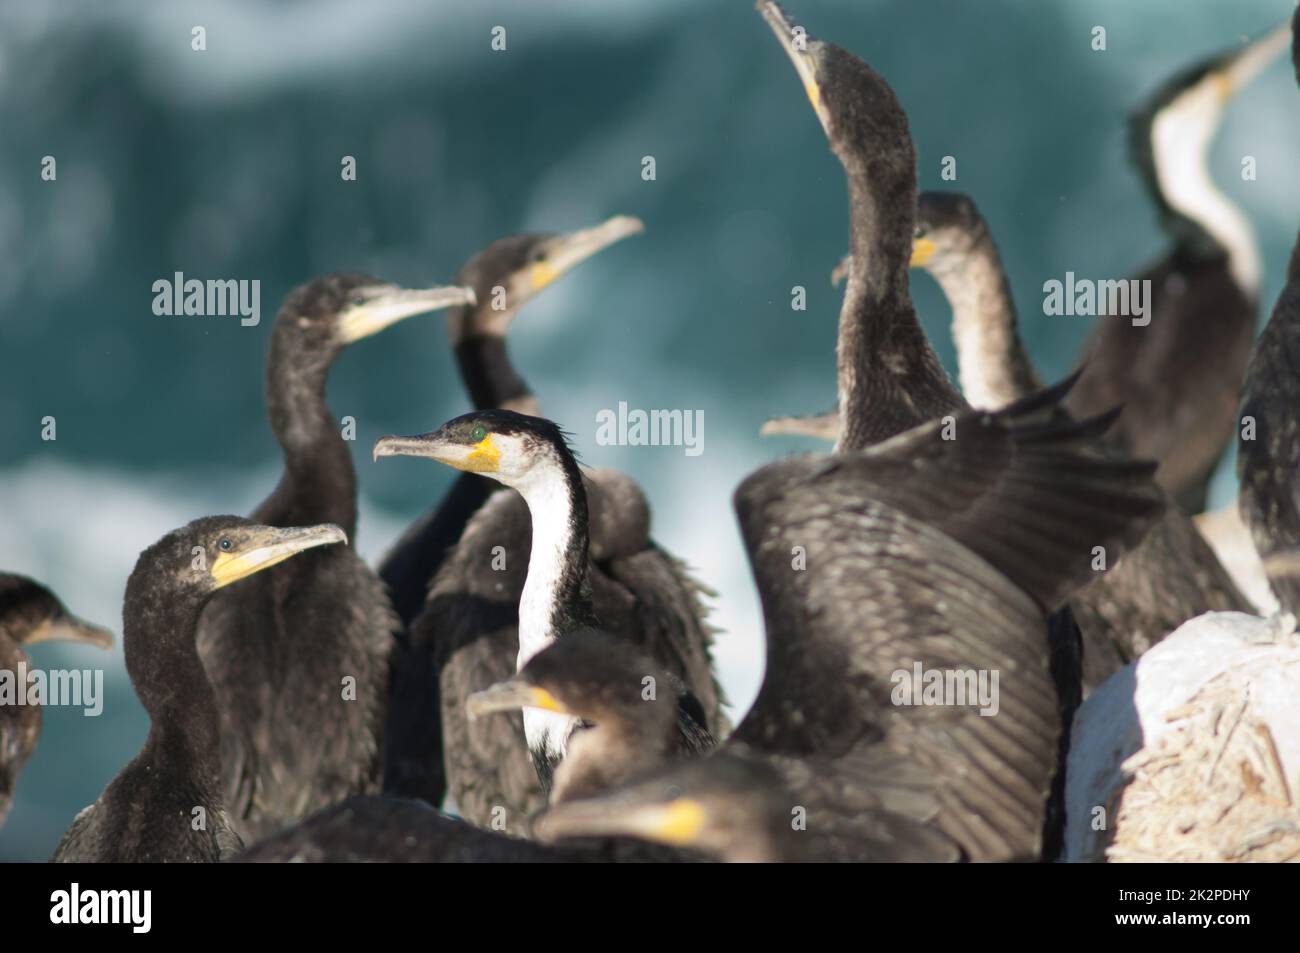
(550, 509)
(1180, 142)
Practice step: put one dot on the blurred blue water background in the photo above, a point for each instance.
(225, 164)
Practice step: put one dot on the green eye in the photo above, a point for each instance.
(920, 232)
(478, 433)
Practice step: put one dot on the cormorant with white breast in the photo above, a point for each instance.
(531, 455)
(169, 804)
(29, 613)
(505, 276)
(1180, 376)
(926, 555)
(299, 657)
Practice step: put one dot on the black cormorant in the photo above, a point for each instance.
(299, 657)
(931, 564)
(169, 804)
(889, 378)
(1179, 377)
(505, 276)
(558, 595)
(628, 707)
(29, 613)
(1268, 442)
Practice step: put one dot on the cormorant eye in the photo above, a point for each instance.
(225, 545)
(920, 232)
(478, 433)
(358, 300)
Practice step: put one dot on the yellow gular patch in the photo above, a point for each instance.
(542, 274)
(922, 251)
(814, 95)
(680, 823)
(1223, 86)
(232, 567)
(484, 458)
(546, 701)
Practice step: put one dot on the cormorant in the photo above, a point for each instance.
(1179, 377)
(29, 613)
(932, 563)
(299, 657)
(889, 378)
(169, 804)
(531, 455)
(628, 707)
(1268, 444)
(505, 276)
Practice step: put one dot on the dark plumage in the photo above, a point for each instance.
(1179, 377)
(948, 553)
(299, 657)
(29, 613)
(1268, 446)
(481, 597)
(168, 803)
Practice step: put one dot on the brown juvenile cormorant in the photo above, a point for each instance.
(29, 613)
(627, 704)
(299, 657)
(531, 455)
(1268, 444)
(926, 557)
(169, 804)
(505, 276)
(1179, 377)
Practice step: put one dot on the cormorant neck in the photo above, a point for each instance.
(889, 377)
(1293, 266)
(319, 484)
(485, 368)
(172, 685)
(557, 592)
(1180, 142)
(994, 368)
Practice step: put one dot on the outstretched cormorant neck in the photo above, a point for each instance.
(316, 323)
(1170, 142)
(889, 377)
(953, 243)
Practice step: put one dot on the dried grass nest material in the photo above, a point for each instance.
(1194, 751)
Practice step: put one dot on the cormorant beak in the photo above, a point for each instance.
(261, 547)
(840, 273)
(481, 457)
(795, 41)
(68, 628)
(1238, 71)
(923, 250)
(386, 305)
(822, 426)
(1283, 563)
(511, 695)
(678, 822)
(566, 251)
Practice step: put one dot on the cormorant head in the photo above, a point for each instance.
(511, 271)
(29, 613)
(730, 806)
(324, 316)
(856, 107)
(1170, 134)
(212, 552)
(591, 675)
(509, 447)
